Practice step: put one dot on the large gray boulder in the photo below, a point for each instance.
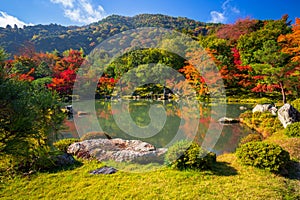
(287, 114)
(118, 150)
(264, 108)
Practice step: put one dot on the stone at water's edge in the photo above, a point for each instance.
(118, 150)
(264, 108)
(287, 114)
(227, 120)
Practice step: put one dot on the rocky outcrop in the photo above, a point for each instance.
(227, 120)
(264, 108)
(287, 114)
(118, 150)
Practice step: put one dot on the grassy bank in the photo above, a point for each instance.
(228, 180)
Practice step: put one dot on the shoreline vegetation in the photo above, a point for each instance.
(227, 179)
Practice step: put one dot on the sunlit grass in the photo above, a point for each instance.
(228, 180)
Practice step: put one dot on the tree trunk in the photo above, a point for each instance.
(282, 92)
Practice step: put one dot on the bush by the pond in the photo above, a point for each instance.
(296, 104)
(293, 130)
(246, 114)
(263, 155)
(63, 144)
(254, 137)
(264, 100)
(186, 155)
(264, 122)
(38, 159)
(95, 135)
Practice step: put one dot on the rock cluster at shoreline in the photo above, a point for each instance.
(118, 150)
(287, 114)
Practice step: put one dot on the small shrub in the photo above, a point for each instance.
(277, 124)
(247, 114)
(186, 155)
(263, 155)
(254, 137)
(293, 130)
(265, 115)
(43, 159)
(64, 144)
(268, 122)
(264, 100)
(257, 114)
(95, 135)
(296, 104)
(38, 159)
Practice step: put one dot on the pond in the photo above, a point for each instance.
(161, 122)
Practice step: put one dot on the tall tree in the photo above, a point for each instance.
(30, 117)
(291, 42)
(248, 44)
(274, 67)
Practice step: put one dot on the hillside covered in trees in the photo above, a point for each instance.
(255, 58)
(53, 36)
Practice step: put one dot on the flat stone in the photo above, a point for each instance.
(227, 120)
(118, 150)
(104, 170)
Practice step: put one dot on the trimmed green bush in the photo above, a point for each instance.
(63, 144)
(95, 135)
(264, 122)
(293, 130)
(264, 100)
(263, 155)
(254, 137)
(296, 104)
(257, 114)
(186, 155)
(247, 114)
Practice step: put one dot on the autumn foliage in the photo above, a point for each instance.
(251, 56)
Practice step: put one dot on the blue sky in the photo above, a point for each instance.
(80, 12)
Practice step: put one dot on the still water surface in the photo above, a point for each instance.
(200, 124)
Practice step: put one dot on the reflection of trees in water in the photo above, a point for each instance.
(176, 121)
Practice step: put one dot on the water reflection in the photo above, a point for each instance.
(207, 127)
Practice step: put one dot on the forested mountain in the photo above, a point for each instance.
(50, 37)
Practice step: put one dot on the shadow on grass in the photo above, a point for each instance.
(73, 166)
(223, 169)
(292, 170)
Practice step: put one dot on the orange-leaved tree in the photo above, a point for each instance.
(291, 42)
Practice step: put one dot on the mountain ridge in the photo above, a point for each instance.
(47, 38)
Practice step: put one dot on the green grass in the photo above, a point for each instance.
(228, 180)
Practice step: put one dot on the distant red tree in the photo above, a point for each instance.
(72, 61)
(242, 72)
(63, 82)
(233, 32)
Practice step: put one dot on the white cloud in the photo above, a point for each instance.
(81, 11)
(6, 19)
(217, 17)
(235, 10)
(65, 3)
(227, 10)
